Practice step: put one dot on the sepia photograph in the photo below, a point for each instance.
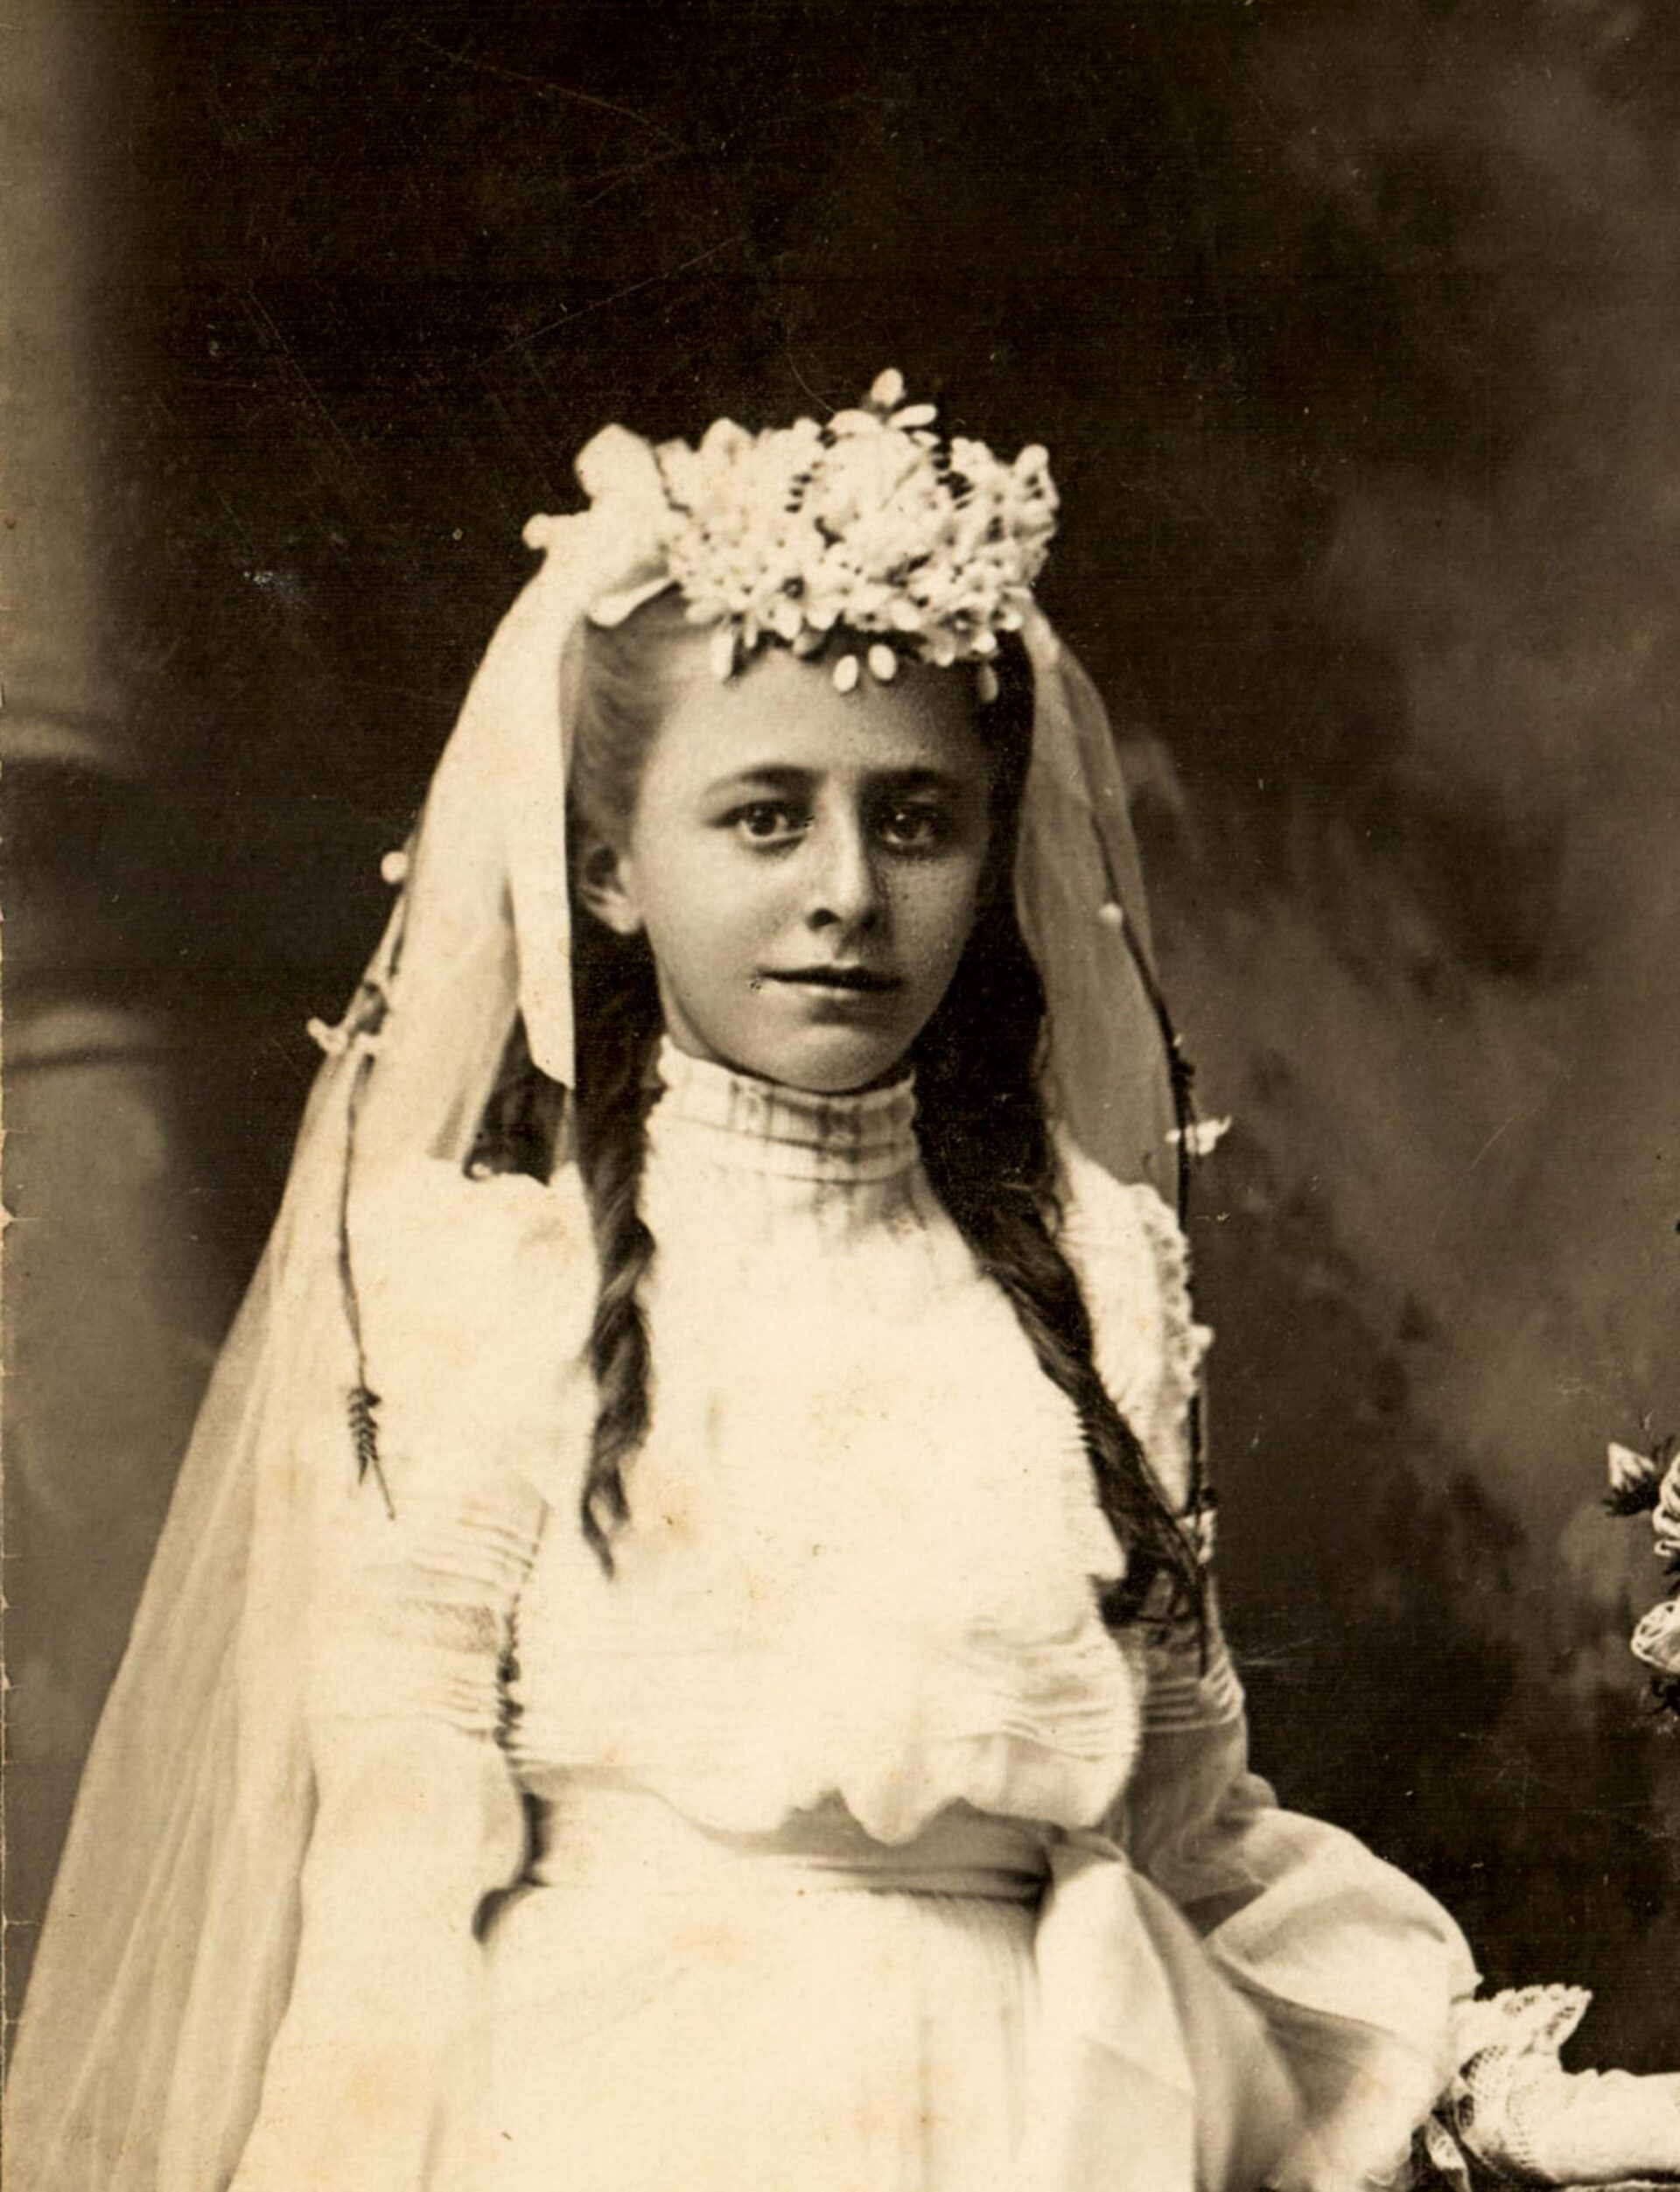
(841, 1095)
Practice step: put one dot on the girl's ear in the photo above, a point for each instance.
(606, 885)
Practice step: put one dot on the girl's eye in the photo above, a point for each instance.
(913, 828)
(767, 822)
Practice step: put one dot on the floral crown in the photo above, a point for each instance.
(869, 524)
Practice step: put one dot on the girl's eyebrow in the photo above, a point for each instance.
(785, 777)
(775, 776)
(921, 778)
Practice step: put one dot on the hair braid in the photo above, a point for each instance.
(1018, 1251)
(614, 1096)
(988, 1153)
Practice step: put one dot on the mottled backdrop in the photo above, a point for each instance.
(1353, 329)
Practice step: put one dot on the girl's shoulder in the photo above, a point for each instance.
(1133, 1264)
(475, 1297)
(439, 1241)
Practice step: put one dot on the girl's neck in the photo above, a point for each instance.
(739, 1124)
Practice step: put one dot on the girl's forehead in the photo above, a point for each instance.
(781, 711)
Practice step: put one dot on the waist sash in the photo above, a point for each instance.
(597, 1834)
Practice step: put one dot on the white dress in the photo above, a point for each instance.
(831, 1844)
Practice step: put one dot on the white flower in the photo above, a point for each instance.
(336, 1040)
(1656, 1640)
(1202, 1136)
(1629, 1471)
(722, 653)
(1665, 1517)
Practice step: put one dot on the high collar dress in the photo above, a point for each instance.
(830, 1842)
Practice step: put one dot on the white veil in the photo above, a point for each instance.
(169, 1946)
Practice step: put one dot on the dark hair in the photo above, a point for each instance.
(984, 1140)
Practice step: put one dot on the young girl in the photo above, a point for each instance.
(683, 1654)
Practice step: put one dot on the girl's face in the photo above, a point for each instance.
(806, 865)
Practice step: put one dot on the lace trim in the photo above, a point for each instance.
(1184, 1341)
(1513, 2115)
(1134, 1263)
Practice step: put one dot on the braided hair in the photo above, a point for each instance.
(985, 1142)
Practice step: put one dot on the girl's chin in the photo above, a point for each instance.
(883, 1078)
(828, 1062)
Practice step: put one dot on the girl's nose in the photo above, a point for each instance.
(845, 887)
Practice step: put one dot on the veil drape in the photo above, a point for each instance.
(169, 1946)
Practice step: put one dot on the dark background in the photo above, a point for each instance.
(1354, 331)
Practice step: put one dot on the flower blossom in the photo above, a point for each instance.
(1665, 1517)
(1632, 1480)
(1656, 1640)
(869, 524)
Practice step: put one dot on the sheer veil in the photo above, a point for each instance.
(168, 1950)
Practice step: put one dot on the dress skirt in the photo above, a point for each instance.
(671, 2009)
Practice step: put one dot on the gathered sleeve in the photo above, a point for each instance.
(406, 1638)
(1353, 1968)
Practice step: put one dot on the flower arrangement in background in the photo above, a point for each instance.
(1650, 1484)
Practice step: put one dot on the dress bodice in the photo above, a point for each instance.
(864, 1549)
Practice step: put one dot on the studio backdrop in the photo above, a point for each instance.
(1353, 336)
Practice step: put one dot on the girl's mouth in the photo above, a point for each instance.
(864, 980)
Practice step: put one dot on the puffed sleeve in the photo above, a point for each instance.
(1355, 1969)
(407, 1633)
